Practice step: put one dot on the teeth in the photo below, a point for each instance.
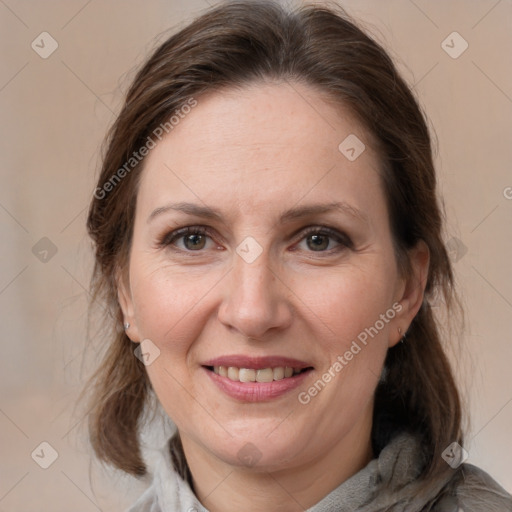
(251, 375)
(279, 373)
(266, 375)
(246, 375)
(233, 373)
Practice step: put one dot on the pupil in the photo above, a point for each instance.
(319, 242)
(195, 241)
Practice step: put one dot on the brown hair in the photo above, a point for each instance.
(240, 43)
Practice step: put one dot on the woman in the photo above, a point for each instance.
(268, 233)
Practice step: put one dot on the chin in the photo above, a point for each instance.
(252, 457)
(255, 446)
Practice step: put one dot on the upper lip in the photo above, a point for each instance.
(256, 362)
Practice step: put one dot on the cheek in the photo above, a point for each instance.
(352, 312)
(345, 302)
(167, 302)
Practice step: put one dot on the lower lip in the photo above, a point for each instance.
(257, 391)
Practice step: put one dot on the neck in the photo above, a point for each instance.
(223, 488)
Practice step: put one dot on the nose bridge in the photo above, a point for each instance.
(254, 301)
(253, 284)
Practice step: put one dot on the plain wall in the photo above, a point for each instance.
(55, 112)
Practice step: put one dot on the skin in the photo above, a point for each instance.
(254, 153)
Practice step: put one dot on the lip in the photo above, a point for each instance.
(256, 391)
(256, 363)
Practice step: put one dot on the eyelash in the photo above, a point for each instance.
(341, 238)
(169, 238)
(344, 241)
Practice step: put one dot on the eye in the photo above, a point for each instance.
(324, 239)
(190, 238)
(194, 241)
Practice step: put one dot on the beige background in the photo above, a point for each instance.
(55, 112)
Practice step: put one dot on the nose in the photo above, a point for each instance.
(256, 299)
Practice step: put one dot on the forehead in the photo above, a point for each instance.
(260, 146)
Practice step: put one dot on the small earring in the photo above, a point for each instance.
(401, 337)
(126, 326)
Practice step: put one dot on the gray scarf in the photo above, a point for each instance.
(388, 483)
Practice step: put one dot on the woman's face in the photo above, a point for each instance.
(292, 267)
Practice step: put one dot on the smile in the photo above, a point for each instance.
(256, 379)
(252, 375)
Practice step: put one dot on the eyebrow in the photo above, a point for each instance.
(188, 208)
(296, 213)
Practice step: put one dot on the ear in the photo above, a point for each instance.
(124, 297)
(412, 290)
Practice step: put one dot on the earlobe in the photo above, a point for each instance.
(413, 290)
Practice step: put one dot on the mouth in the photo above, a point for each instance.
(269, 374)
(256, 379)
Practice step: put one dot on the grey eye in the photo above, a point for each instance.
(194, 242)
(318, 242)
